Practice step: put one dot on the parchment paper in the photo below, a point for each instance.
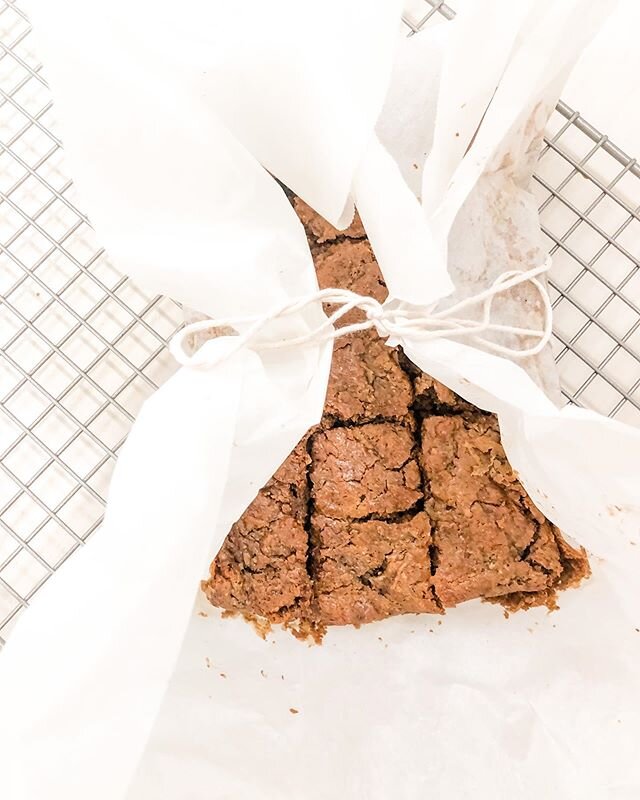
(102, 692)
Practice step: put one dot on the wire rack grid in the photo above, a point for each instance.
(81, 347)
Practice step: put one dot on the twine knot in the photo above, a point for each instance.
(400, 321)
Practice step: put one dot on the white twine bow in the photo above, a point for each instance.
(410, 323)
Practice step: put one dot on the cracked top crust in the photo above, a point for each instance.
(261, 567)
(369, 469)
(489, 537)
(372, 569)
(366, 380)
(400, 501)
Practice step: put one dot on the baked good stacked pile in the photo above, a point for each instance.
(401, 500)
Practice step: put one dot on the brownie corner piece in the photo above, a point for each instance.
(371, 569)
(261, 568)
(364, 470)
(491, 540)
(570, 568)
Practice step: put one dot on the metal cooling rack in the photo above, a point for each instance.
(81, 347)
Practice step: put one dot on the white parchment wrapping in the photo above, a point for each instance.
(112, 686)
